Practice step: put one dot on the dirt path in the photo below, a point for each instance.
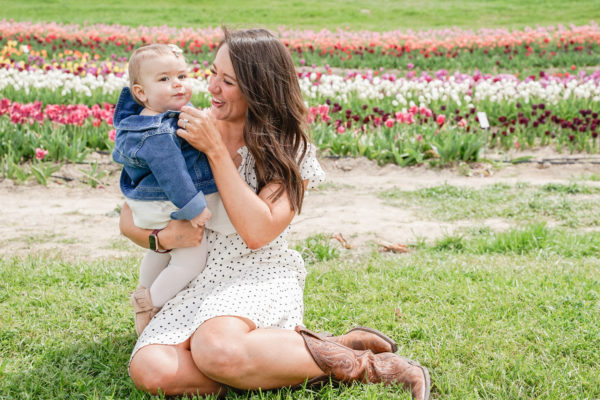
(75, 221)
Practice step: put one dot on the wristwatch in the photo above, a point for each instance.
(153, 240)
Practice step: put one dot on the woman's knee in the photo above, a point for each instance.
(220, 354)
(151, 373)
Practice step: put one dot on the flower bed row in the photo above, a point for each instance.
(497, 95)
(415, 134)
(69, 114)
(44, 45)
(59, 87)
(406, 136)
(24, 58)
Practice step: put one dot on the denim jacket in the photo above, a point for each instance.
(158, 164)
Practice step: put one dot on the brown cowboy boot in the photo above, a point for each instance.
(363, 338)
(346, 365)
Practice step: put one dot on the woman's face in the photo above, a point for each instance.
(228, 103)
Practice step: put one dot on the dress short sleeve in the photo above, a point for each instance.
(310, 168)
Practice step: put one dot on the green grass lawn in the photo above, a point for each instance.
(311, 14)
(493, 315)
(497, 326)
(572, 205)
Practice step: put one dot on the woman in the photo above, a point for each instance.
(238, 323)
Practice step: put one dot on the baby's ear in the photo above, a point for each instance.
(138, 91)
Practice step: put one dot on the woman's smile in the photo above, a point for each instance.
(217, 103)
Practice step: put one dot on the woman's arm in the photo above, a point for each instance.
(257, 218)
(177, 234)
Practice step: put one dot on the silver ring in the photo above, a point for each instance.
(185, 121)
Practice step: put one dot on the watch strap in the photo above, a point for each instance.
(156, 242)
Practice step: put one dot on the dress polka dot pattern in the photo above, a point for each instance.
(265, 285)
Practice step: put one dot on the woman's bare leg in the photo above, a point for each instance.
(170, 369)
(232, 351)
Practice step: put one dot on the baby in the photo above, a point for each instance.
(163, 176)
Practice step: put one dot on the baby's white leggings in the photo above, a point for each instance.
(167, 273)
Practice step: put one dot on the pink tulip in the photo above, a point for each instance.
(462, 123)
(425, 111)
(341, 129)
(40, 154)
(312, 113)
(4, 106)
(389, 122)
(112, 134)
(441, 119)
(323, 109)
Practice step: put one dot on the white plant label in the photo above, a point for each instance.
(483, 120)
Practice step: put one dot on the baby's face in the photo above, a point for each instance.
(164, 84)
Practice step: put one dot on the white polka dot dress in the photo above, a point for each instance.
(265, 285)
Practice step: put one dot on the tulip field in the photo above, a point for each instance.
(397, 97)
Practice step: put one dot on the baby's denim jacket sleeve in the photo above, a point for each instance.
(164, 158)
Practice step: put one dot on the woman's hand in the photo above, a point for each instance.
(198, 129)
(177, 234)
(180, 233)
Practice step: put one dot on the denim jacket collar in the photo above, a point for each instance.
(127, 114)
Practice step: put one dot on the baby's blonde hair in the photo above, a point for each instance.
(145, 53)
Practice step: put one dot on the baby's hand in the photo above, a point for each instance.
(201, 219)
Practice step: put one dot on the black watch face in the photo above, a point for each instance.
(152, 239)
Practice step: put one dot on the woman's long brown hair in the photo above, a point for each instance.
(275, 129)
